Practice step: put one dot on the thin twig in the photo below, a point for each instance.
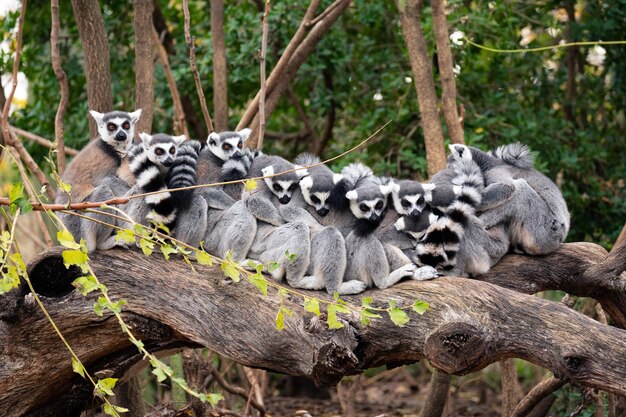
(535, 395)
(189, 40)
(179, 116)
(322, 15)
(5, 201)
(41, 140)
(31, 164)
(235, 390)
(263, 80)
(63, 86)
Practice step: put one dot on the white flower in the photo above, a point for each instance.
(596, 56)
(456, 69)
(528, 35)
(408, 80)
(492, 5)
(378, 96)
(553, 32)
(456, 37)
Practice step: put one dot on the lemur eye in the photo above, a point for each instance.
(364, 208)
(227, 147)
(405, 203)
(379, 205)
(292, 187)
(240, 145)
(111, 127)
(277, 187)
(126, 125)
(315, 200)
(159, 151)
(173, 150)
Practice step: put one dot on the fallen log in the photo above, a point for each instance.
(470, 324)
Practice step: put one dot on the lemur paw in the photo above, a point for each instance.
(312, 282)
(352, 287)
(408, 271)
(424, 273)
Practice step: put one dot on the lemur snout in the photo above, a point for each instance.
(284, 199)
(323, 212)
(120, 136)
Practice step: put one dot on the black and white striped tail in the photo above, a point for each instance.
(237, 167)
(183, 172)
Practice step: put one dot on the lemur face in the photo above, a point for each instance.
(408, 198)
(369, 202)
(227, 145)
(315, 195)
(459, 152)
(117, 128)
(161, 149)
(282, 186)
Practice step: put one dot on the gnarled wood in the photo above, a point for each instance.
(470, 325)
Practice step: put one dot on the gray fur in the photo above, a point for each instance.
(536, 213)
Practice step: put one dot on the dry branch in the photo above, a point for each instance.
(41, 140)
(262, 114)
(180, 126)
(63, 86)
(536, 395)
(470, 324)
(144, 63)
(220, 70)
(437, 394)
(96, 51)
(189, 40)
(5, 201)
(448, 82)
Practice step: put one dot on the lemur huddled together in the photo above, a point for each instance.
(342, 232)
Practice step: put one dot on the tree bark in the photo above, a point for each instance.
(63, 87)
(437, 394)
(511, 389)
(144, 64)
(536, 395)
(470, 325)
(96, 51)
(220, 69)
(448, 80)
(409, 11)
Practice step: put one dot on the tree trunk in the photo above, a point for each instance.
(220, 71)
(144, 64)
(470, 324)
(448, 81)
(437, 394)
(96, 50)
(424, 83)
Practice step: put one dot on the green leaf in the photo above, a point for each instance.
(249, 185)
(367, 315)
(125, 235)
(65, 187)
(66, 239)
(10, 279)
(420, 307)
(78, 367)
(18, 200)
(106, 385)
(312, 306)
(137, 343)
(117, 306)
(280, 319)
(167, 250)
(146, 246)
(180, 381)
(259, 281)
(75, 257)
(86, 284)
(212, 399)
(203, 258)
(273, 266)
(230, 270)
(159, 373)
(291, 257)
(331, 320)
(398, 316)
(366, 302)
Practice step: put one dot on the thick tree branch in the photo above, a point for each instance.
(63, 86)
(262, 114)
(437, 394)
(448, 81)
(144, 63)
(41, 140)
(470, 324)
(96, 51)
(410, 11)
(220, 69)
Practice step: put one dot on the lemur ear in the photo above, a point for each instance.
(213, 137)
(428, 192)
(399, 224)
(269, 170)
(134, 116)
(337, 178)
(178, 140)
(306, 183)
(386, 189)
(460, 151)
(351, 195)
(244, 133)
(395, 188)
(301, 172)
(145, 138)
(97, 116)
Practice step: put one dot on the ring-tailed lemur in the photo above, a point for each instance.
(309, 203)
(360, 201)
(456, 241)
(100, 159)
(273, 236)
(230, 226)
(535, 213)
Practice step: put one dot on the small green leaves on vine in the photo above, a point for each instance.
(125, 236)
(420, 307)
(259, 281)
(249, 185)
(105, 387)
(203, 258)
(86, 284)
(397, 315)
(280, 317)
(312, 306)
(17, 200)
(113, 410)
(66, 239)
(230, 267)
(78, 367)
(331, 317)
